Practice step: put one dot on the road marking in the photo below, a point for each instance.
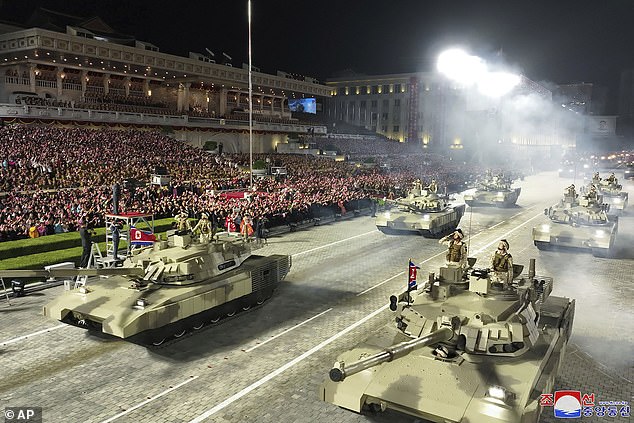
(507, 233)
(287, 330)
(39, 332)
(497, 224)
(283, 368)
(336, 242)
(141, 404)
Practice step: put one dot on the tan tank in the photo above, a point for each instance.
(578, 223)
(164, 291)
(493, 191)
(462, 349)
(422, 211)
(613, 195)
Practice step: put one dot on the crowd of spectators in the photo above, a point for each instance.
(53, 178)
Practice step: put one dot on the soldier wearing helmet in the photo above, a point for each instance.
(502, 263)
(456, 249)
(205, 228)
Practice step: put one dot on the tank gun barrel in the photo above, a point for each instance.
(67, 273)
(338, 374)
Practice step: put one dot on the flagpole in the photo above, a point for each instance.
(250, 105)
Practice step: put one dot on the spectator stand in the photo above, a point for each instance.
(134, 231)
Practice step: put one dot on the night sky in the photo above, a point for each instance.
(557, 41)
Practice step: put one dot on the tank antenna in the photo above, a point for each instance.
(469, 241)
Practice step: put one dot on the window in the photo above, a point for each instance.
(362, 104)
(397, 102)
(384, 128)
(384, 116)
(373, 104)
(397, 88)
(386, 104)
(386, 89)
(396, 128)
(375, 89)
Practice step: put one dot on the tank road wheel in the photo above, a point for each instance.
(158, 341)
(245, 307)
(215, 318)
(179, 334)
(198, 325)
(231, 313)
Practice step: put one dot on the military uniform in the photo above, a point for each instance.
(456, 249)
(205, 228)
(182, 224)
(502, 264)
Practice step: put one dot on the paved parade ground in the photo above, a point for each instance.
(267, 365)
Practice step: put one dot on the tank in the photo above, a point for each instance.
(493, 191)
(422, 211)
(164, 291)
(578, 223)
(613, 195)
(461, 349)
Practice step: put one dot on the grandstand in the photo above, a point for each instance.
(80, 70)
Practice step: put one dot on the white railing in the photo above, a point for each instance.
(67, 113)
(45, 84)
(16, 80)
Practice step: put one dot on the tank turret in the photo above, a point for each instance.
(583, 223)
(465, 347)
(165, 290)
(422, 211)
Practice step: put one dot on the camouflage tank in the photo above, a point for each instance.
(422, 211)
(162, 292)
(462, 349)
(612, 193)
(493, 191)
(579, 223)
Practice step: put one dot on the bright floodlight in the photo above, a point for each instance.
(460, 66)
(497, 84)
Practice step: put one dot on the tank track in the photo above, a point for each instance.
(173, 333)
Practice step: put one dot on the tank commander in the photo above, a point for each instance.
(433, 187)
(182, 224)
(417, 187)
(592, 194)
(502, 264)
(571, 192)
(205, 228)
(456, 249)
(596, 178)
(612, 179)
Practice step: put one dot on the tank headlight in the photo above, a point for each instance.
(426, 217)
(616, 201)
(599, 233)
(585, 166)
(140, 303)
(500, 393)
(545, 228)
(388, 215)
(500, 194)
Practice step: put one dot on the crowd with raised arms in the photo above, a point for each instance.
(52, 178)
